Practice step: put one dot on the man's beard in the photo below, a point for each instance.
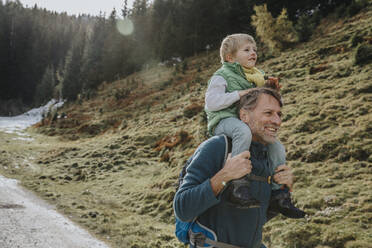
(261, 133)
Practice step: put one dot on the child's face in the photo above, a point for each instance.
(246, 55)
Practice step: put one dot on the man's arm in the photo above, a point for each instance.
(204, 179)
(195, 195)
(234, 168)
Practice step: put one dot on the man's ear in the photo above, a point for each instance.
(244, 116)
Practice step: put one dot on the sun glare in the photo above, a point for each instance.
(125, 27)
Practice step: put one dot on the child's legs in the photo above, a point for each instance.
(276, 154)
(238, 131)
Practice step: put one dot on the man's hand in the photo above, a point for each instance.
(238, 166)
(284, 175)
(234, 168)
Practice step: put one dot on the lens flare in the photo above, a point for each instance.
(125, 27)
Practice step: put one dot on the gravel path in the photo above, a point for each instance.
(28, 222)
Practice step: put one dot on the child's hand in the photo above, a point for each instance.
(273, 82)
(244, 92)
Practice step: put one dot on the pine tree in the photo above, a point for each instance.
(125, 9)
(72, 81)
(5, 83)
(112, 56)
(92, 69)
(44, 91)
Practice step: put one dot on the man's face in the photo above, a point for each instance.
(246, 55)
(264, 120)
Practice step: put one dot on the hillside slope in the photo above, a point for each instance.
(119, 153)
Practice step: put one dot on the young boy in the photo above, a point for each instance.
(233, 80)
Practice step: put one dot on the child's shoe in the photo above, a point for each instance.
(280, 202)
(239, 194)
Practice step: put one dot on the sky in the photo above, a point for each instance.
(76, 7)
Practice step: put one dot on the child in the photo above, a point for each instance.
(233, 80)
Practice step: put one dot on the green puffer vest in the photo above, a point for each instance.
(234, 75)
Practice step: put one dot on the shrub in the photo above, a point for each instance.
(184, 66)
(363, 54)
(55, 116)
(165, 84)
(356, 39)
(203, 126)
(277, 33)
(340, 10)
(318, 68)
(192, 110)
(89, 94)
(350, 9)
(169, 141)
(306, 24)
(356, 6)
(121, 93)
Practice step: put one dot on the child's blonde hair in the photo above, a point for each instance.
(231, 44)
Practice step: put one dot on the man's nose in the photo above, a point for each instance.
(276, 119)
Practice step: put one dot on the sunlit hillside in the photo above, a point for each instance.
(110, 162)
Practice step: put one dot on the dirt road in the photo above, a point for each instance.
(28, 222)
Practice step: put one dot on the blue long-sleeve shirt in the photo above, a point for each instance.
(195, 198)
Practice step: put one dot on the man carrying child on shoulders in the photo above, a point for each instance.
(229, 195)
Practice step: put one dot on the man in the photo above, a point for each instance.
(202, 194)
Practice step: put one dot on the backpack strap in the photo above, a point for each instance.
(251, 176)
(199, 239)
(228, 142)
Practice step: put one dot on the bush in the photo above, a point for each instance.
(121, 93)
(356, 39)
(356, 6)
(184, 66)
(277, 33)
(165, 84)
(192, 110)
(363, 54)
(341, 10)
(306, 24)
(89, 94)
(350, 9)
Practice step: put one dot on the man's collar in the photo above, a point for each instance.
(258, 150)
(258, 147)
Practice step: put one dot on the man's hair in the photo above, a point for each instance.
(249, 100)
(231, 44)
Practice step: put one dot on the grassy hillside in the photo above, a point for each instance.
(113, 160)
